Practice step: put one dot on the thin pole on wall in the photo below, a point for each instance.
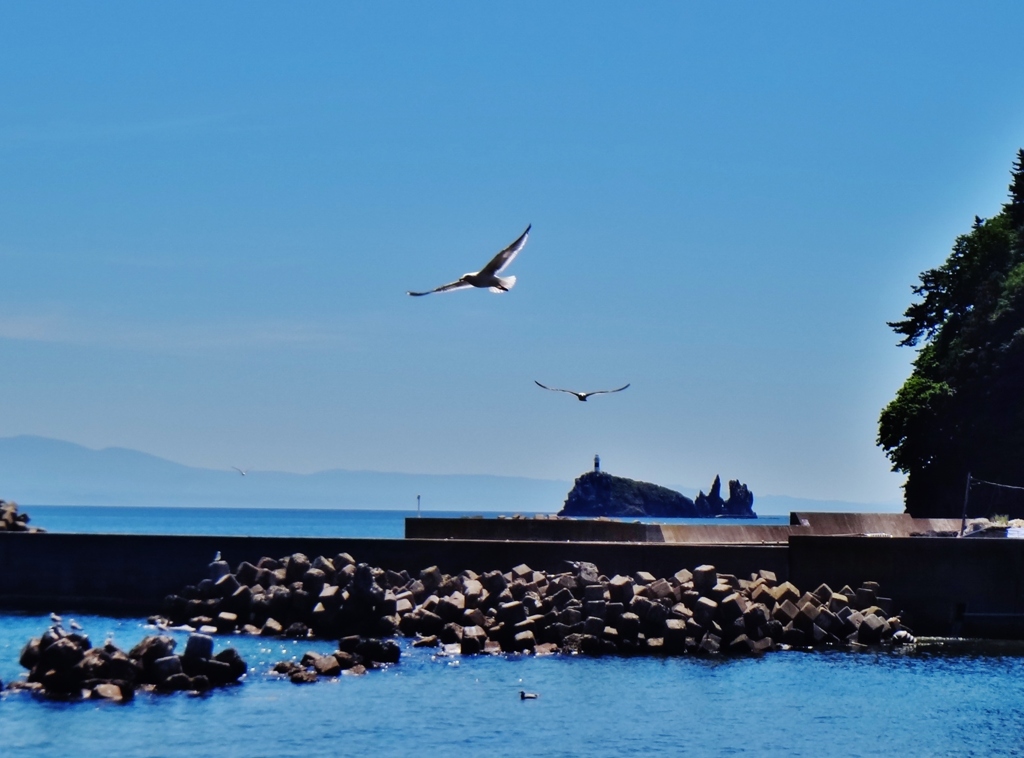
(967, 494)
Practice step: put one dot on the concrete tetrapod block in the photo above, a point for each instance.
(431, 578)
(675, 636)
(683, 576)
(829, 621)
(595, 592)
(628, 625)
(643, 577)
(791, 635)
(705, 610)
(525, 641)
(785, 612)
(741, 645)
(641, 606)
(327, 665)
(271, 628)
(871, 630)
(865, 596)
(199, 646)
(473, 640)
(756, 616)
(570, 616)
(704, 578)
(838, 601)
(710, 644)
(659, 589)
(807, 615)
(786, 591)
(163, 669)
(512, 613)
(732, 607)
(763, 594)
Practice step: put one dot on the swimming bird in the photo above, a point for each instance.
(581, 395)
(488, 275)
(243, 472)
(524, 695)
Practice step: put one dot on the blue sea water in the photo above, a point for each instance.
(786, 703)
(963, 700)
(260, 522)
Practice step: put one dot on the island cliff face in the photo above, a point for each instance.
(597, 493)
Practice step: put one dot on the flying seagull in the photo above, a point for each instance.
(243, 472)
(581, 395)
(488, 275)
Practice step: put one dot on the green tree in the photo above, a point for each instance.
(962, 408)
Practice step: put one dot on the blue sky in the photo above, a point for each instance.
(210, 213)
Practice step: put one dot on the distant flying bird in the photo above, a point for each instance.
(580, 395)
(488, 275)
(243, 472)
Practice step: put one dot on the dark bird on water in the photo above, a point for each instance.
(488, 275)
(524, 695)
(580, 395)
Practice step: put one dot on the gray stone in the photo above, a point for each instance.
(705, 610)
(164, 668)
(199, 646)
(620, 589)
(871, 630)
(524, 641)
(704, 578)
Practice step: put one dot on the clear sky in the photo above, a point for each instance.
(210, 214)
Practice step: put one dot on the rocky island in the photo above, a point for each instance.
(598, 493)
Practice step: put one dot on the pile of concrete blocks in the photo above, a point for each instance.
(354, 656)
(64, 665)
(13, 521)
(572, 610)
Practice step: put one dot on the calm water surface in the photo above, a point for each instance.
(259, 522)
(788, 704)
(792, 704)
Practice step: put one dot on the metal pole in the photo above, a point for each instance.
(967, 494)
(417, 506)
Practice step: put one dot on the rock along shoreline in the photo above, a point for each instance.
(575, 610)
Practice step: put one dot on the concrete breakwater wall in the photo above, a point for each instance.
(133, 573)
(946, 586)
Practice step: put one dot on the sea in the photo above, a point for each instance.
(939, 698)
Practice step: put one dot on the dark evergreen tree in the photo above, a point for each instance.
(962, 408)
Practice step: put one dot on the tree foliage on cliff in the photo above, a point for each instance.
(962, 408)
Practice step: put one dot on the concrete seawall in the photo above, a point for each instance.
(945, 586)
(133, 573)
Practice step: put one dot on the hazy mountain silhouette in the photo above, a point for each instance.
(52, 472)
(38, 470)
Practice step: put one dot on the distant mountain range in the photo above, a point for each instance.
(37, 470)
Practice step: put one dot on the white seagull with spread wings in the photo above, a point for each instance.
(580, 395)
(488, 275)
